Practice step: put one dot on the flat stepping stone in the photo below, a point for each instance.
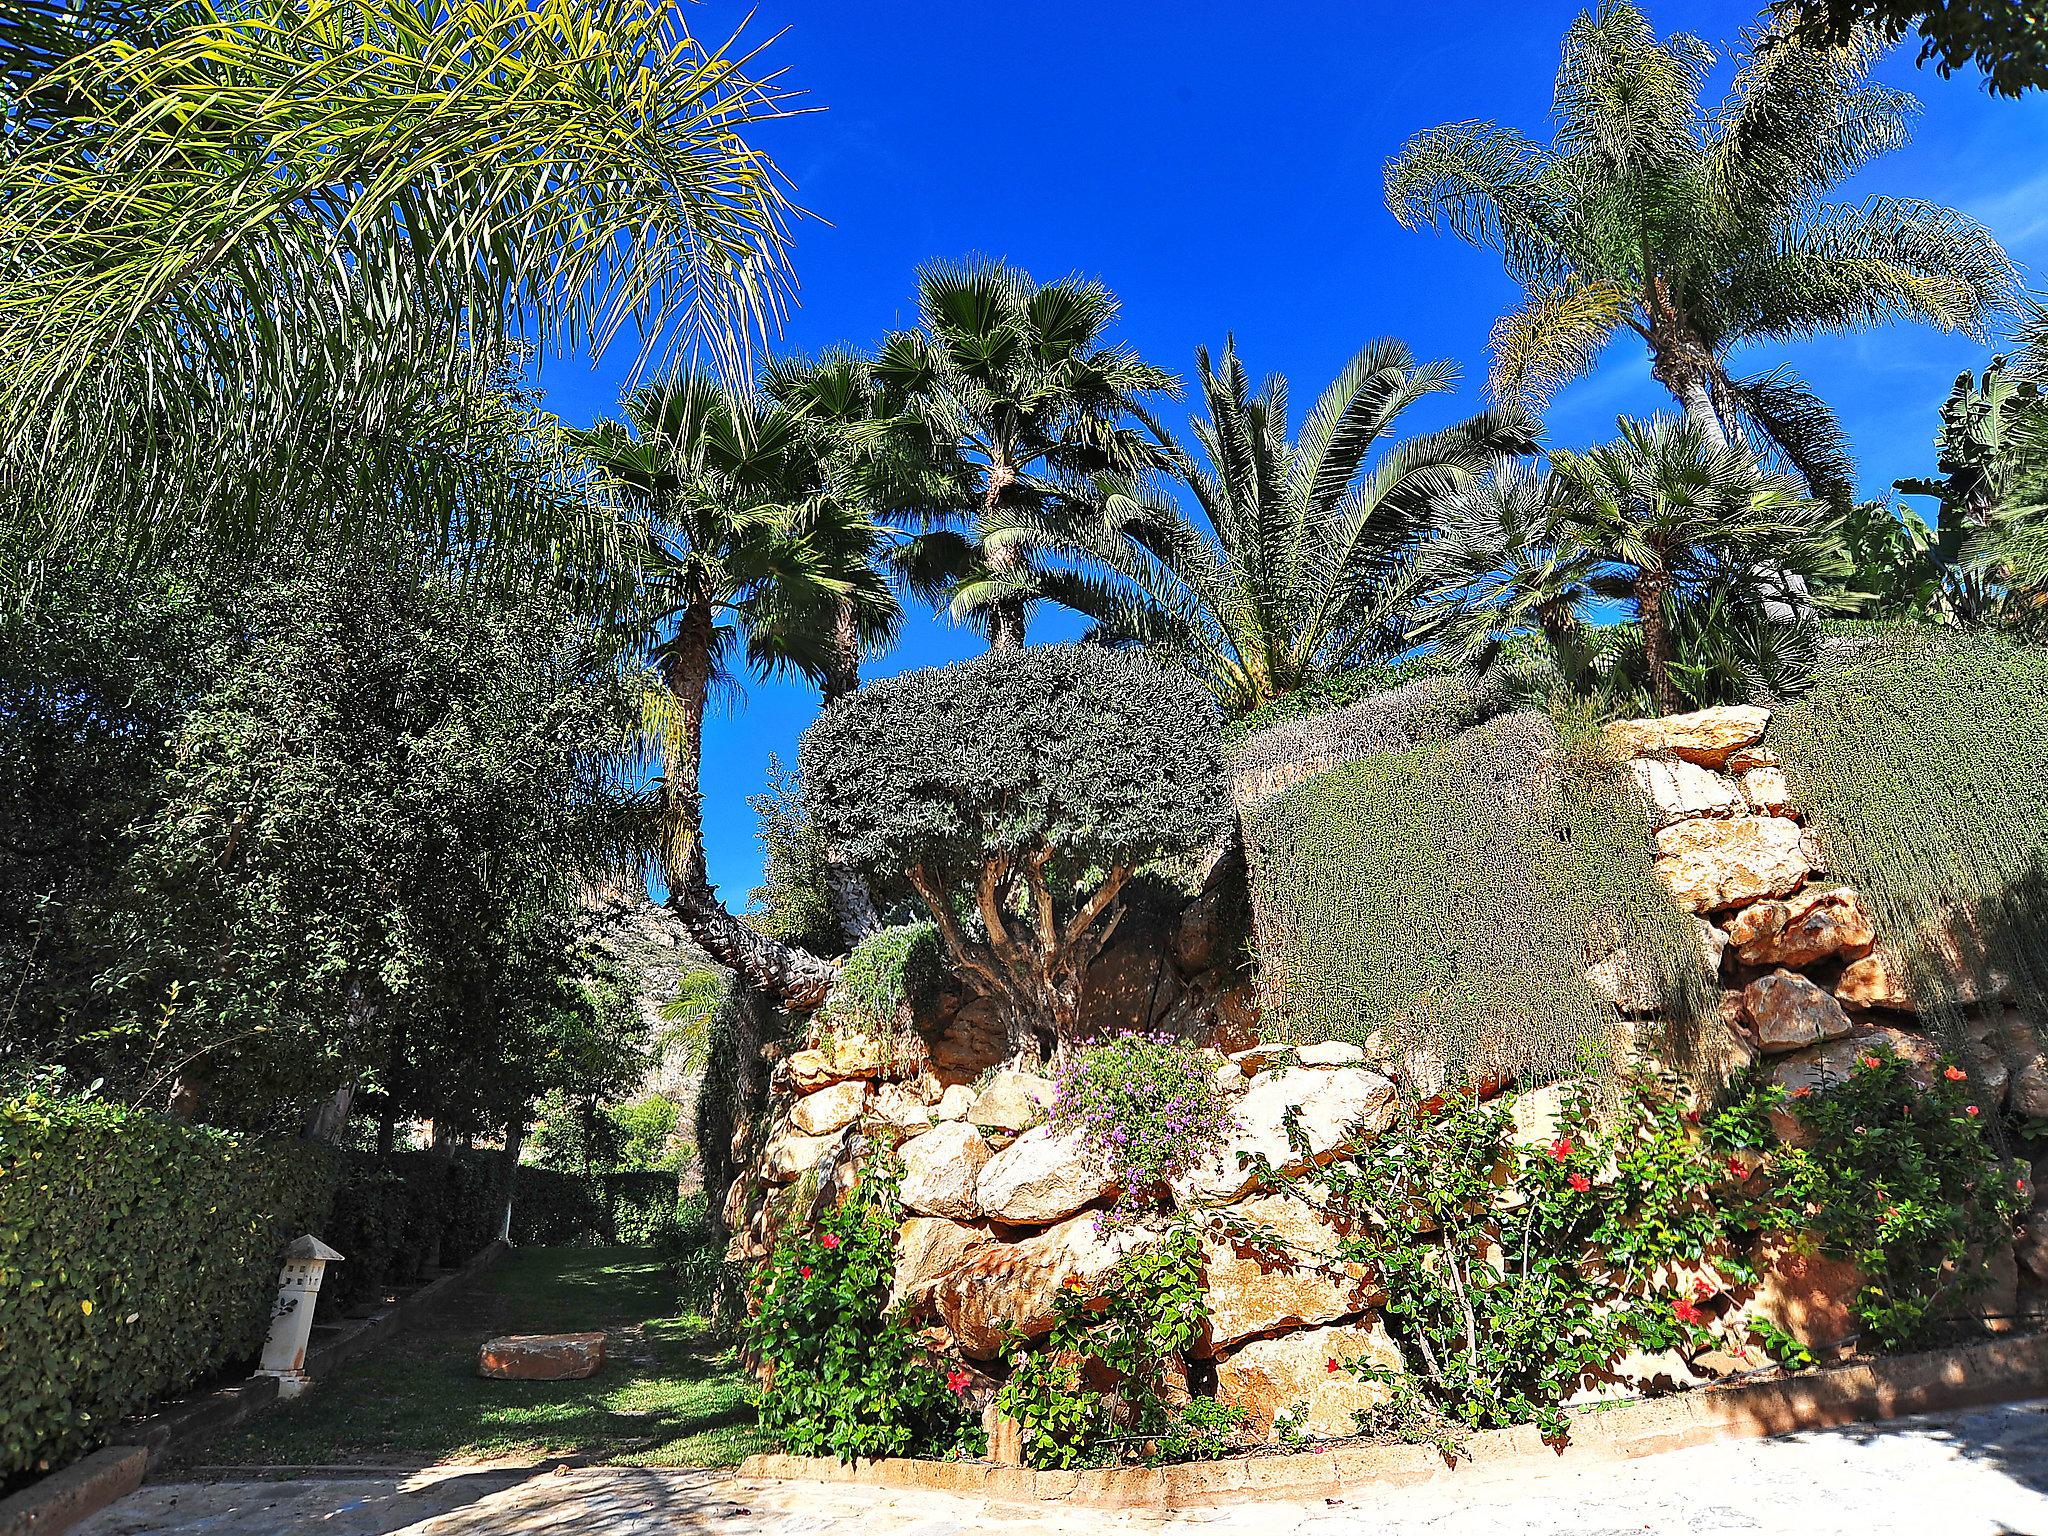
(541, 1356)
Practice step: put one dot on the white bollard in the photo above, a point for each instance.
(291, 1325)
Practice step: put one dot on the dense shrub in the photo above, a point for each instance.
(889, 970)
(842, 1375)
(137, 1255)
(1147, 1106)
(552, 1209)
(399, 1218)
(1015, 794)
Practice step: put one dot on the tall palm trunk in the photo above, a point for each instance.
(1656, 642)
(842, 670)
(794, 976)
(1682, 363)
(1006, 617)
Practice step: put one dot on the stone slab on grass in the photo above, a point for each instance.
(541, 1356)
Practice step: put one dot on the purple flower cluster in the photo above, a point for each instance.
(1148, 1106)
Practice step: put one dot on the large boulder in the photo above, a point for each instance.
(940, 1169)
(1675, 790)
(1277, 1268)
(1310, 1370)
(1712, 865)
(1789, 1012)
(845, 1053)
(1822, 1067)
(1819, 923)
(1707, 737)
(928, 1248)
(829, 1109)
(1001, 1283)
(1876, 980)
(1334, 1108)
(1041, 1176)
(790, 1153)
(541, 1356)
(1012, 1101)
(896, 1113)
(1805, 1293)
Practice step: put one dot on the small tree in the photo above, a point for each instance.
(1015, 795)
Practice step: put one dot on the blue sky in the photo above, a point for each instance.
(1220, 168)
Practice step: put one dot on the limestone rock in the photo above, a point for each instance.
(1335, 1106)
(1747, 758)
(1789, 1011)
(1817, 924)
(1815, 851)
(1876, 980)
(1828, 1065)
(1626, 983)
(541, 1356)
(829, 1109)
(1806, 1294)
(1708, 737)
(1766, 789)
(1676, 790)
(1230, 1077)
(1000, 1282)
(940, 1169)
(927, 1250)
(896, 1114)
(790, 1153)
(809, 1070)
(1040, 1177)
(1013, 1101)
(1713, 945)
(1712, 865)
(1636, 1374)
(1534, 1116)
(954, 1103)
(1331, 1053)
(1283, 1274)
(1267, 1377)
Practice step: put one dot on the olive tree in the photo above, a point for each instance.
(1015, 795)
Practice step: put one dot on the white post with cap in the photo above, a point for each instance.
(291, 1325)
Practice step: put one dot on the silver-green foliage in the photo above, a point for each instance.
(889, 970)
(1923, 762)
(1454, 896)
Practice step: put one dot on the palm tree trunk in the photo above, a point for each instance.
(842, 672)
(1656, 643)
(1682, 363)
(1006, 616)
(796, 977)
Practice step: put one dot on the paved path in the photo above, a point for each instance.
(1981, 1473)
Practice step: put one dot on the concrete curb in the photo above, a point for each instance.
(1998, 1371)
(61, 1500)
(174, 1431)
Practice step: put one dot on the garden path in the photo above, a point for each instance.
(1977, 1473)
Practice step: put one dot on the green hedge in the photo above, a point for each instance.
(400, 1217)
(137, 1255)
(579, 1210)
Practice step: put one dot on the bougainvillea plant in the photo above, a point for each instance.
(1148, 1107)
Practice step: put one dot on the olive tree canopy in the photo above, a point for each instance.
(1015, 794)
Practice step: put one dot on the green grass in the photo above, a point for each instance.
(668, 1395)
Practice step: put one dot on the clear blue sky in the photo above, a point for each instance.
(1219, 167)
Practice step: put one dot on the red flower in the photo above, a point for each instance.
(957, 1381)
(1868, 1063)
(1954, 1074)
(1971, 1111)
(1688, 1312)
(2020, 1185)
(804, 1270)
(1561, 1148)
(829, 1241)
(1692, 1117)
(1701, 1290)
(1735, 1167)
(1330, 1364)
(1580, 1182)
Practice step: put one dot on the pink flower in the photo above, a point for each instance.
(1580, 1182)
(1561, 1148)
(829, 1241)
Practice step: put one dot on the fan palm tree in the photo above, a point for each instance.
(1017, 388)
(249, 248)
(742, 549)
(1701, 231)
(1300, 563)
(1669, 523)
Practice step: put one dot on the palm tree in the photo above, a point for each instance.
(254, 253)
(1016, 387)
(741, 549)
(1701, 231)
(1671, 524)
(1300, 563)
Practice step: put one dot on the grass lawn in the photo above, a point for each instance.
(668, 1395)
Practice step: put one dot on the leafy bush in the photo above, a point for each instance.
(889, 970)
(1147, 1106)
(553, 1209)
(137, 1256)
(399, 1217)
(1097, 1382)
(1015, 794)
(841, 1373)
(1898, 1179)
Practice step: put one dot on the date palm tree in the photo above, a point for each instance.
(1018, 388)
(1701, 231)
(1302, 558)
(254, 254)
(740, 550)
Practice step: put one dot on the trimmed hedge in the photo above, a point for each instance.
(576, 1210)
(137, 1256)
(400, 1217)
